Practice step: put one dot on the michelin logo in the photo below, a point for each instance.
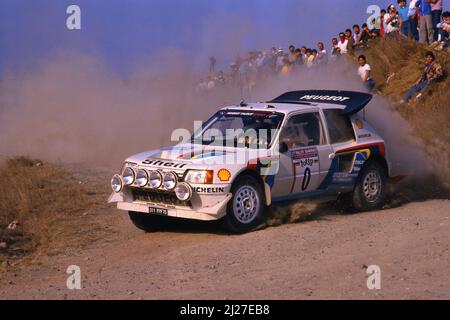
(325, 98)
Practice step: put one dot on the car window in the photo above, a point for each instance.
(303, 130)
(339, 126)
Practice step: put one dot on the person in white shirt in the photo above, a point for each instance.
(391, 20)
(322, 57)
(364, 72)
(343, 43)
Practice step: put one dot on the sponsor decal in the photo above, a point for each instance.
(308, 161)
(344, 177)
(224, 175)
(359, 123)
(166, 164)
(325, 98)
(209, 190)
(306, 153)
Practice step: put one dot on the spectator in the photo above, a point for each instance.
(335, 51)
(312, 59)
(303, 50)
(343, 44)
(374, 32)
(444, 29)
(433, 71)
(391, 21)
(298, 58)
(436, 12)
(382, 15)
(413, 15)
(350, 42)
(356, 35)
(292, 55)
(212, 64)
(365, 35)
(364, 72)
(286, 69)
(322, 57)
(426, 25)
(404, 18)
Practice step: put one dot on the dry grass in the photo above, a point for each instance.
(429, 117)
(50, 205)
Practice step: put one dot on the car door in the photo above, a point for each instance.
(301, 168)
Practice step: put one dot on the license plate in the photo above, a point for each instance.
(158, 211)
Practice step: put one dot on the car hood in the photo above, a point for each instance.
(191, 156)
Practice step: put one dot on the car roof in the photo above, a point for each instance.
(350, 102)
(285, 108)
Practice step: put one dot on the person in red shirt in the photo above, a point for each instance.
(382, 14)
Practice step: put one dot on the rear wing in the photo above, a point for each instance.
(353, 101)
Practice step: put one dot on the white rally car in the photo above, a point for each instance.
(302, 144)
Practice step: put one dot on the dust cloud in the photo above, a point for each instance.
(73, 109)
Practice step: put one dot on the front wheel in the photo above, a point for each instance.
(245, 211)
(370, 189)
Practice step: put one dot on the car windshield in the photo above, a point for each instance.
(234, 128)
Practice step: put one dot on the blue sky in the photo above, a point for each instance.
(124, 32)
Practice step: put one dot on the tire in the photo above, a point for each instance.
(146, 222)
(370, 189)
(243, 214)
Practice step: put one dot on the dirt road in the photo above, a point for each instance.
(326, 258)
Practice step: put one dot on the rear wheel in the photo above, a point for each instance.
(245, 211)
(146, 222)
(370, 188)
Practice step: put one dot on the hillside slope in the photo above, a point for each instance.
(396, 65)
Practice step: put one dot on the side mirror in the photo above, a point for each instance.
(283, 147)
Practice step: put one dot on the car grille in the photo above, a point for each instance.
(156, 196)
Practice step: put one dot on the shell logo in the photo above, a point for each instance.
(224, 175)
(359, 124)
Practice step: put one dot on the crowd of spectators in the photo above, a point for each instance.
(420, 20)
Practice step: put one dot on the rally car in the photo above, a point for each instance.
(246, 157)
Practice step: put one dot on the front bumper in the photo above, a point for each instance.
(213, 207)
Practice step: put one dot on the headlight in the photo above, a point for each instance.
(155, 179)
(199, 176)
(142, 178)
(128, 176)
(183, 191)
(170, 180)
(116, 183)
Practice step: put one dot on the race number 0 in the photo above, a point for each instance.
(306, 179)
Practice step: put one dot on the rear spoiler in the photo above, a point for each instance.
(353, 101)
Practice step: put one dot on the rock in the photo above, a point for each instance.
(3, 245)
